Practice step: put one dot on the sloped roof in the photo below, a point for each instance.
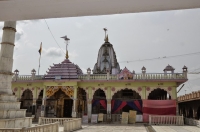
(65, 69)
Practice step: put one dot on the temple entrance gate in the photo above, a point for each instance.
(59, 101)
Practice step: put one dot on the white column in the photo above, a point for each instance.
(43, 103)
(6, 57)
(89, 108)
(74, 110)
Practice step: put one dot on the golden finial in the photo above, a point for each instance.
(67, 56)
(106, 39)
(66, 41)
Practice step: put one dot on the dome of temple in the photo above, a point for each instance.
(107, 60)
(64, 70)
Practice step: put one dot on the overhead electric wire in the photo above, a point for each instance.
(165, 57)
(53, 37)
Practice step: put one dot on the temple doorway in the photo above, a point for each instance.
(26, 102)
(59, 105)
(67, 108)
(126, 100)
(99, 102)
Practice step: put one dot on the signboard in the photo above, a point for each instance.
(139, 118)
(132, 117)
(85, 119)
(100, 117)
(124, 118)
(94, 118)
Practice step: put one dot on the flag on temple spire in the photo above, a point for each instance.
(40, 50)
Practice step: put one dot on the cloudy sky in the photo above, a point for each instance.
(154, 35)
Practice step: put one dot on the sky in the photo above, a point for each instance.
(135, 37)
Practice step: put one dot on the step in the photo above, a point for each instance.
(10, 98)
(12, 113)
(16, 123)
(9, 105)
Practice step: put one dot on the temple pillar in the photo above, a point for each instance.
(74, 109)
(43, 103)
(34, 107)
(109, 109)
(89, 109)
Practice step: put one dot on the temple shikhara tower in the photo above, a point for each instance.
(65, 91)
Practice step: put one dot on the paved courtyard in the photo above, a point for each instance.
(176, 128)
(133, 128)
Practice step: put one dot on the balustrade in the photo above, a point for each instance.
(147, 76)
(72, 125)
(165, 120)
(44, 120)
(52, 127)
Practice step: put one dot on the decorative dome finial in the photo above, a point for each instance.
(105, 29)
(66, 41)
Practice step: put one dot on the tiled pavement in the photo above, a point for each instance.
(176, 128)
(133, 128)
(111, 128)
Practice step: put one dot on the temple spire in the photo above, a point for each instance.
(66, 41)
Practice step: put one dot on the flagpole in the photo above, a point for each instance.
(40, 52)
(39, 66)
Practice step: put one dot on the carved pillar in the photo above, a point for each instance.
(108, 106)
(43, 103)
(34, 108)
(89, 108)
(74, 111)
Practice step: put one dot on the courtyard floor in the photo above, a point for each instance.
(133, 128)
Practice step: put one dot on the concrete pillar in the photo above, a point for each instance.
(108, 106)
(89, 108)
(6, 57)
(43, 103)
(74, 109)
(34, 108)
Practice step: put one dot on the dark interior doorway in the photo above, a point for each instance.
(198, 113)
(67, 108)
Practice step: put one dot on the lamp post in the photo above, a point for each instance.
(143, 72)
(88, 73)
(185, 71)
(33, 72)
(16, 74)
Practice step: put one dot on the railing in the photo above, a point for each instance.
(165, 120)
(53, 127)
(72, 125)
(44, 120)
(27, 77)
(147, 76)
(192, 122)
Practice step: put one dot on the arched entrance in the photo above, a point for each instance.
(99, 102)
(27, 101)
(81, 102)
(39, 104)
(159, 94)
(198, 113)
(126, 100)
(59, 105)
